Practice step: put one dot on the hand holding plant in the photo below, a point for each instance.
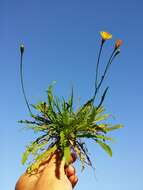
(62, 128)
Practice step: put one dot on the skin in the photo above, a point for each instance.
(52, 175)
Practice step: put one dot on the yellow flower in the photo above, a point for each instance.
(105, 35)
(118, 43)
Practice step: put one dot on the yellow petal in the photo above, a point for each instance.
(105, 35)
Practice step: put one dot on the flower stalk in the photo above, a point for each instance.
(97, 66)
(21, 77)
(105, 36)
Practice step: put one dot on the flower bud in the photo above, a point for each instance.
(118, 43)
(22, 49)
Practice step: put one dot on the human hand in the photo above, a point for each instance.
(52, 175)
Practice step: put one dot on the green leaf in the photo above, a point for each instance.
(100, 110)
(27, 153)
(64, 106)
(36, 128)
(80, 155)
(101, 118)
(67, 154)
(104, 137)
(50, 94)
(105, 147)
(57, 104)
(25, 156)
(93, 136)
(83, 113)
(27, 122)
(41, 158)
(33, 148)
(114, 127)
(83, 148)
(63, 129)
(86, 135)
(87, 106)
(41, 106)
(91, 115)
(100, 128)
(70, 101)
(62, 139)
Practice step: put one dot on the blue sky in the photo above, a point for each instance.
(61, 43)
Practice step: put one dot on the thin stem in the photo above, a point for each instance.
(104, 74)
(22, 84)
(117, 52)
(106, 69)
(98, 61)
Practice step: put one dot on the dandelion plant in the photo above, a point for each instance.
(62, 127)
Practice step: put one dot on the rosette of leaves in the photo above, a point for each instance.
(65, 129)
(62, 128)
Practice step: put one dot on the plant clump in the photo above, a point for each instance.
(63, 128)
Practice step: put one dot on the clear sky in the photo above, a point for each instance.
(62, 40)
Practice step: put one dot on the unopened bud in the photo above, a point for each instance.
(118, 43)
(21, 49)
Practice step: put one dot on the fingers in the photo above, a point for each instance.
(70, 170)
(71, 174)
(73, 179)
